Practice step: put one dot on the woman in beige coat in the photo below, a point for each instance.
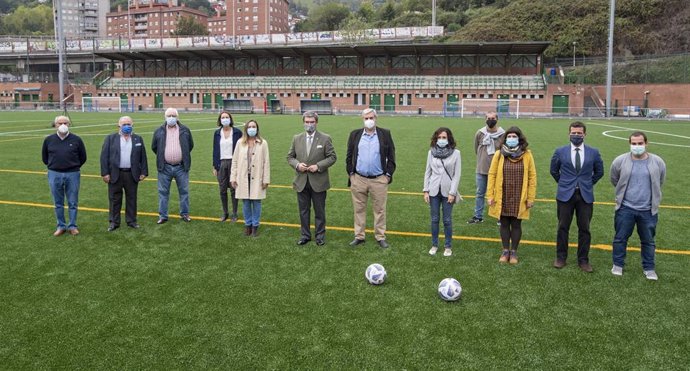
(251, 175)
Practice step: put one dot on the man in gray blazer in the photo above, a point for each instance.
(311, 154)
(123, 166)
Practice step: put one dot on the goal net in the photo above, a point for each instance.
(103, 104)
(479, 107)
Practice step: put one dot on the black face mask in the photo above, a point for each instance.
(576, 139)
(491, 123)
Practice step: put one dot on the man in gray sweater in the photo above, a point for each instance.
(637, 177)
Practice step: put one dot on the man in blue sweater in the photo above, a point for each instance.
(64, 154)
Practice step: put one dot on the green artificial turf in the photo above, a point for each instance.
(204, 296)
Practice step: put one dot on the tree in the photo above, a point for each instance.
(29, 21)
(366, 12)
(202, 5)
(188, 26)
(326, 17)
(387, 12)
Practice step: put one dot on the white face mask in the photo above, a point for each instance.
(225, 121)
(637, 149)
(63, 129)
(442, 143)
(369, 124)
(171, 121)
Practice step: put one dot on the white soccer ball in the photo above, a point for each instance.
(375, 274)
(449, 289)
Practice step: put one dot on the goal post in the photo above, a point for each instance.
(479, 107)
(103, 104)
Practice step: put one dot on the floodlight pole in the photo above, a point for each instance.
(60, 41)
(433, 13)
(574, 43)
(609, 66)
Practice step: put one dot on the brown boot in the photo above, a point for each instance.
(247, 230)
(255, 231)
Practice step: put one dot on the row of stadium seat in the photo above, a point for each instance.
(534, 82)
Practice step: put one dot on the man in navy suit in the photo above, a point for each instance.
(577, 168)
(123, 166)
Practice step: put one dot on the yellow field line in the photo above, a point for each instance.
(400, 193)
(348, 229)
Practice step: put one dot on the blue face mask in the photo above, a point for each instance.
(251, 132)
(512, 142)
(442, 143)
(576, 139)
(126, 129)
(171, 121)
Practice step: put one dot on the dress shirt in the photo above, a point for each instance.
(225, 146)
(125, 152)
(369, 156)
(582, 153)
(173, 150)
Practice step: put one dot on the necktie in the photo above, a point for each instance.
(578, 165)
(309, 138)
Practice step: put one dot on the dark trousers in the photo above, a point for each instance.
(124, 182)
(224, 184)
(305, 200)
(565, 212)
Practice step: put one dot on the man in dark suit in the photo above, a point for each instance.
(123, 166)
(311, 154)
(370, 164)
(577, 168)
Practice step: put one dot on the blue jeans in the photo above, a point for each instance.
(481, 180)
(252, 212)
(61, 185)
(436, 203)
(165, 177)
(624, 222)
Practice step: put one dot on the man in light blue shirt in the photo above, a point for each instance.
(370, 164)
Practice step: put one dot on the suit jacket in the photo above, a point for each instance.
(563, 171)
(386, 146)
(321, 153)
(236, 136)
(110, 157)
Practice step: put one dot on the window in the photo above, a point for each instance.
(255, 9)
(360, 99)
(405, 99)
(255, 18)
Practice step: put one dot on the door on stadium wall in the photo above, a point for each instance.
(452, 102)
(218, 100)
(88, 103)
(206, 101)
(503, 105)
(375, 101)
(389, 102)
(124, 98)
(158, 100)
(560, 104)
(316, 96)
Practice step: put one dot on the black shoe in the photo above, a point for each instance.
(303, 241)
(475, 220)
(224, 217)
(356, 242)
(384, 244)
(186, 218)
(134, 225)
(233, 218)
(162, 220)
(113, 227)
(320, 242)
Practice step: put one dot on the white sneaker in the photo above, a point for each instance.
(616, 270)
(432, 250)
(447, 252)
(651, 275)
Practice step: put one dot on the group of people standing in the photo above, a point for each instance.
(506, 180)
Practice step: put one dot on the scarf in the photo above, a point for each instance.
(488, 139)
(512, 153)
(441, 153)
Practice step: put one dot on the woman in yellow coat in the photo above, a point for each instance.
(251, 175)
(511, 190)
